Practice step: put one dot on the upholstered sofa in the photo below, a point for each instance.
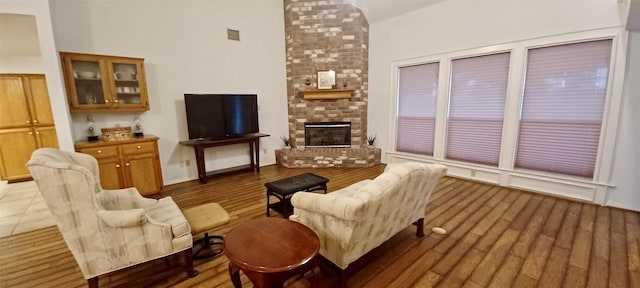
(356, 219)
(107, 230)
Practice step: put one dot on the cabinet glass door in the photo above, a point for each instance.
(128, 88)
(88, 82)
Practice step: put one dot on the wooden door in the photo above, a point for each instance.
(111, 173)
(14, 108)
(46, 137)
(16, 146)
(40, 103)
(143, 171)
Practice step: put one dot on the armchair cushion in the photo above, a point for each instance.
(166, 211)
(123, 218)
(127, 198)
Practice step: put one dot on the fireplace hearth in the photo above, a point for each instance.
(327, 134)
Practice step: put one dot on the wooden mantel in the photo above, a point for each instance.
(326, 94)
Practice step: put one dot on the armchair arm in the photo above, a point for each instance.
(344, 208)
(127, 198)
(123, 218)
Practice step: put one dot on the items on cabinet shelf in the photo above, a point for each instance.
(127, 163)
(138, 130)
(100, 82)
(26, 122)
(91, 130)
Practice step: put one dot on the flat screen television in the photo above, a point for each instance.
(220, 116)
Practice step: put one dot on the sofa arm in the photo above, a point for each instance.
(121, 199)
(123, 218)
(345, 208)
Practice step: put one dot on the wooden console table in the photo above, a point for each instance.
(254, 151)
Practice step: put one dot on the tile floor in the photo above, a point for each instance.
(22, 209)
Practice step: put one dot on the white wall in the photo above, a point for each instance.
(458, 25)
(452, 26)
(186, 50)
(13, 64)
(49, 64)
(626, 190)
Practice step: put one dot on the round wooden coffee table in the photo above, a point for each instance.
(270, 251)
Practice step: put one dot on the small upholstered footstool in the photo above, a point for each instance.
(202, 219)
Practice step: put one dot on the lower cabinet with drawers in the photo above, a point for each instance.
(127, 163)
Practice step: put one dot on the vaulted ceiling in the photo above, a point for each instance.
(378, 10)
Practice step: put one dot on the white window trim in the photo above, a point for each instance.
(592, 190)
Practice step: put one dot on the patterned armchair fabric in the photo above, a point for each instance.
(352, 221)
(105, 230)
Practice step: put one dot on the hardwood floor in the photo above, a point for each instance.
(498, 237)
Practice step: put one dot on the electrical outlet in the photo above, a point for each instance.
(187, 163)
(264, 151)
(473, 173)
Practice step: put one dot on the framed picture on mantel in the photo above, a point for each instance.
(326, 79)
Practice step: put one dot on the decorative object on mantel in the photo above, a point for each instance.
(116, 133)
(92, 133)
(326, 79)
(286, 142)
(326, 94)
(371, 140)
(138, 131)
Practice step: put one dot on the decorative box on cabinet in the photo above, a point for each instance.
(26, 122)
(99, 82)
(127, 163)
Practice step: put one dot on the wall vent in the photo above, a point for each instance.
(233, 34)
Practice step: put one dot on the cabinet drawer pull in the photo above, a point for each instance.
(28, 122)
(117, 165)
(99, 151)
(126, 164)
(35, 120)
(139, 147)
(37, 132)
(115, 100)
(106, 101)
(30, 133)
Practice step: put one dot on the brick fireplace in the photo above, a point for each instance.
(326, 35)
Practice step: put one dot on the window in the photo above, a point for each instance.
(562, 107)
(476, 108)
(417, 94)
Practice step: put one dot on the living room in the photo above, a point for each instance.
(186, 50)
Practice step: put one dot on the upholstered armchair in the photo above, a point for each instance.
(356, 219)
(107, 230)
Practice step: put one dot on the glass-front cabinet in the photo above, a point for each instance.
(98, 82)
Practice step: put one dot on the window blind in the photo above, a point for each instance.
(417, 95)
(563, 103)
(476, 108)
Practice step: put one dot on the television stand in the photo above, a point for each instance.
(200, 144)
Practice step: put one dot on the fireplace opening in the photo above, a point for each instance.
(327, 134)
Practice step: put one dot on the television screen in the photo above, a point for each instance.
(219, 116)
